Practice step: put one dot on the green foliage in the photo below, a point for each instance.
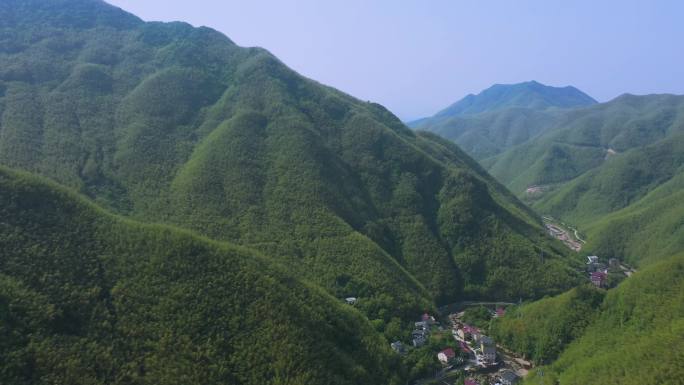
(478, 316)
(580, 140)
(542, 329)
(89, 298)
(636, 338)
(168, 123)
(614, 170)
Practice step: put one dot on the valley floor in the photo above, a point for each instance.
(564, 233)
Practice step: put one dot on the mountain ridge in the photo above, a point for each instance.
(502, 116)
(164, 122)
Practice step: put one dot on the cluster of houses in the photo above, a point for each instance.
(505, 377)
(419, 336)
(598, 271)
(485, 349)
(421, 333)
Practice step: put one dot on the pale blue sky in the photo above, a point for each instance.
(418, 56)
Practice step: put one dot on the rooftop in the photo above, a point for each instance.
(509, 375)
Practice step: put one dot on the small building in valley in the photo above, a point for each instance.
(489, 355)
(418, 341)
(446, 355)
(485, 341)
(508, 377)
(467, 332)
(599, 278)
(398, 347)
(350, 300)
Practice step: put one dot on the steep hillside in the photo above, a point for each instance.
(168, 123)
(502, 116)
(645, 231)
(615, 170)
(586, 138)
(542, 329)
(90, 298)
(636, 339)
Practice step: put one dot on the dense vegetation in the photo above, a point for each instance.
(615, 170)
(637, 337)
(168, 123)
(90, 298)
(502, 116)
(541, 330)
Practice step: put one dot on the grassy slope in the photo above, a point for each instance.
(169, 123)
(637, 337)
(89, 298)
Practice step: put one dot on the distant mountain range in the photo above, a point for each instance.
(609, 168)
(502, 116)
(615, 169)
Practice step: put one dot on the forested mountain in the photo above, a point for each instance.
(168, 123)
(614, 169)
(90, 298)
(634, 337)
(502, 116)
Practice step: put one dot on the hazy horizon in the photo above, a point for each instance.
(417, 59)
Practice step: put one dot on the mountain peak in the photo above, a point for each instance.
(530, 94)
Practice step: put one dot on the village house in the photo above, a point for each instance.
(485, 341)
(350, 300)
(470, 381)
(508, 377)
(467, 332)
(489, 354)
(500, 312)
(422, 325)
(446, 355)
(488, 349)
(430, 320)
(398, 347)
(599, 278)
(418, 341)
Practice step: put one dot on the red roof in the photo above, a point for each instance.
(426, 317)
(470, 329)
(500, 312)
(449, 352)
(470, 381)
(598, 275)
